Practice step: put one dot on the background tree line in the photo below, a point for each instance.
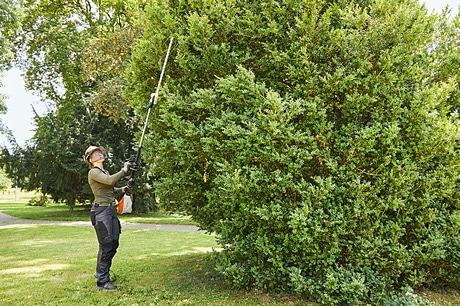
(318, 139)
(73, 54)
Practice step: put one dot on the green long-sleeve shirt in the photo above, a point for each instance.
(103, 185)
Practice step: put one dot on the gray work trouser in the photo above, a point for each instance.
(108, 229)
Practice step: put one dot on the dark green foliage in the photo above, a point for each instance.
(318, 139)
(60, 170)
(54, 164)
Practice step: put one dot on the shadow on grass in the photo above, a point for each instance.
(192, 280)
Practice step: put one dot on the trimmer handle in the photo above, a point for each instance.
(130, 183)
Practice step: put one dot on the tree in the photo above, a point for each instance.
(8, 26)
(317, 139)
(57, 159)
(64, 47)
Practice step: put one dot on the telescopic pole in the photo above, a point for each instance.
(153, 101)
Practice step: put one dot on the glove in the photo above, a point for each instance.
(126, 166)
(126, 189)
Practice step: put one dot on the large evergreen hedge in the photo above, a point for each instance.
(317, 139)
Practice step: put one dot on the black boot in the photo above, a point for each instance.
(106, 286)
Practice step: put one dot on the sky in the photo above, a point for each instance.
(19, 117)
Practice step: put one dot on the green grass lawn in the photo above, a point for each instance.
(46, 264)
(54, 265)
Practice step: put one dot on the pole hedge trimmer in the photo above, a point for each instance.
(125, 204)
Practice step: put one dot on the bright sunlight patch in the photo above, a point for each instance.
(33, 270)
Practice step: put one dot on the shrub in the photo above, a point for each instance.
(41, 200)
(317, 139)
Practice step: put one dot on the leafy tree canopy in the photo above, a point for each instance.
(8, 26)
